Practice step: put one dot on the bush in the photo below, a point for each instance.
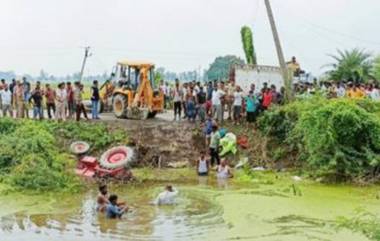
(337, 138)
(32, 157)
(97, 135)
(7, 125)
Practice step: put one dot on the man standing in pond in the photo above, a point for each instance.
(112, 210)
(224, 171)
(214, 145)
(167, 197)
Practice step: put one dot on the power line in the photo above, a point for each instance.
(342, 34)
(306, 21)
(256, 15)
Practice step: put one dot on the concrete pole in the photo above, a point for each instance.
(86, 55)
(285, 72)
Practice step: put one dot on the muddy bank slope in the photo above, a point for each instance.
(162, 143)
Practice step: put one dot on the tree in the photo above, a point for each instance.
(220, 68)
(249, 50)
(188, 76)
(376, 68)
(157, 78)
(7, 75)
(351, 65)
(43, 75)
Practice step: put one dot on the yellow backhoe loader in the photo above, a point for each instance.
(132, 91)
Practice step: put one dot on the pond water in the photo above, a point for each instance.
(206, 210)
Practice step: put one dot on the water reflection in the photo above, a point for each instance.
(203, 181)
(223, 183)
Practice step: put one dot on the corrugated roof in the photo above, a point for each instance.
(135, 63)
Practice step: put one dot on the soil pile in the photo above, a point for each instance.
(163, 144)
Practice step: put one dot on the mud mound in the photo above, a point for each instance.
(163, 143)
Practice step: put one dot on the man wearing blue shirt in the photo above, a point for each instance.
(112, 210)
(251, 108)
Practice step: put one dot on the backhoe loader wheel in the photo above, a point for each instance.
(144, 114)
(119, 104)
(152, 114)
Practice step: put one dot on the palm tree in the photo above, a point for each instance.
(351, 65)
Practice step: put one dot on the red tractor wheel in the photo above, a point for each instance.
(117, 157)
(79, 147)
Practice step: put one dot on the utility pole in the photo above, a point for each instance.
(200, 74)
(285, 72)
(86, 55)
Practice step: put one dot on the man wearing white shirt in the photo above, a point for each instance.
(167, 92)
(6, 97)
(375, 93)
(185, 89)
(217, 107)
(167, 197)
(177, 100)
(340, 91)
(238, 101)
(61, 99)
(163, 90)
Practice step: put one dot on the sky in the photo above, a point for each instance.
(179, 35)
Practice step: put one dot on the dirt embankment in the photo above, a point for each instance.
(160, 143)
(163, 143)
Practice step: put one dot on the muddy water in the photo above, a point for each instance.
(207, 210)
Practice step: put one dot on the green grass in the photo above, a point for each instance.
(34, 155)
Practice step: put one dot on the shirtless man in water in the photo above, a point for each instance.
(103, 199)
(224, 171)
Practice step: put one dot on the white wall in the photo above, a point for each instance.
(246, 75)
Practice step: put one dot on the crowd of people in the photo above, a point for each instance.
(194, 100)
(339, 90)
(211, 101)
(19, 98)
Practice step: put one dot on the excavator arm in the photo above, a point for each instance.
(144, 93)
